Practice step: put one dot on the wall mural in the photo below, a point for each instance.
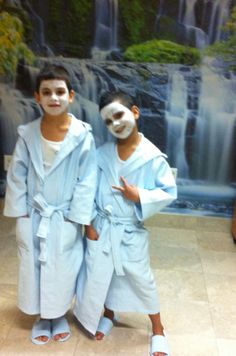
(177, 58)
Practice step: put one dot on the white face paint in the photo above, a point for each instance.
(54, 96)
(119, 119)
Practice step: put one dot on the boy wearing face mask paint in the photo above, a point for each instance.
(50, 190)
(135, 182)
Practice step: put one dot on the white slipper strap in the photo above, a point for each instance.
(159, 344)
(105, 325)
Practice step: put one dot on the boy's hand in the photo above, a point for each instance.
(91, 233)
(129, 191)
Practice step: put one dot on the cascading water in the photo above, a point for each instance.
(106, 12)
(211, 17)
(215, 128)
(219, 15)
(176, 116)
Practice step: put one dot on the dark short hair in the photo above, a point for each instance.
(53, 71)
(116, 95)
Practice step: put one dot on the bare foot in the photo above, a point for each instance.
(60, 336)
(42, 338)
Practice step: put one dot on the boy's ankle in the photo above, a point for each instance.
(109, 314)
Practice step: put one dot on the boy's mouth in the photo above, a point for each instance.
(120, 129)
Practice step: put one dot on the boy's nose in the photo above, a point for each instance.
(116, 123)
(54, 96)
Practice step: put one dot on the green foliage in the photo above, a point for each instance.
(70, 26)
(226, 50)
(137, 20)
(161, 51)
(12, 46)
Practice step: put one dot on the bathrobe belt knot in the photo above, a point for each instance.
(46, 211)
(114, 229)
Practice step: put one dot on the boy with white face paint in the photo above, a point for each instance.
(50, 190)
(135, 182)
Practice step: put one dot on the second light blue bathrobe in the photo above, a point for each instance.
(117, 271)
(50, 210)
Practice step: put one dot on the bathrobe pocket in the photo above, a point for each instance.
(69, 235)
(90, 252)
(134, 244)
(24, 233)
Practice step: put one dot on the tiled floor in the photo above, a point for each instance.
(194, 261)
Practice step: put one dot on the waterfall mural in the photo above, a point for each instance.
(199, 23)
(105, 39)
(189, 112)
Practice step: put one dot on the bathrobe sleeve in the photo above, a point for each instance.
(164, 192)
(81, 206)
(16, 192)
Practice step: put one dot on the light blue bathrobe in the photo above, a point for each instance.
(117, 271)
(49, 239)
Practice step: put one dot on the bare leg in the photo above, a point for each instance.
(108, 314)
(157, 329)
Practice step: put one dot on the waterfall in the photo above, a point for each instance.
(208, 28)
(215, 127)
(176, 116)
(189, 16)
(106, 12)
(38, 42)
(219, 14)
(160, 12)
(181, 11)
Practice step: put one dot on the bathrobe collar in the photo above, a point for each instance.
(107, 158)
(31, 134)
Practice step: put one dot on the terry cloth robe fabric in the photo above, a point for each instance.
(50, 209)
(117, 270)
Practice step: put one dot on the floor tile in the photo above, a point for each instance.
(226, 347)
(194, 264)
(176, 258)
(221, 263)
(224, 320)
(193, 318)
(181, 285)
(192, 345)
(217, 241)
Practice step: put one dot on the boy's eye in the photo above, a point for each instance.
(60, 91)
(46, 92)
(108, 122)
(118, 115)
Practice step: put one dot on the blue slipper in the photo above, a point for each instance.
(60, 326)
(105, 325)
(159, 344)
(41, 327)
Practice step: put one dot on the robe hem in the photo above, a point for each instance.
(132, 310)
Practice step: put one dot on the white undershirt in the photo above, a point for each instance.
(119, 162)
(49, 151)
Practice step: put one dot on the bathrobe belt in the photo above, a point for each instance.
(46, 211)
(114, 231)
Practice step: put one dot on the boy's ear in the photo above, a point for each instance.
(71, 95)
(36, 96)
(135, 111)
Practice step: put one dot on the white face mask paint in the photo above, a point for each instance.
(119, 119)
(54, 96)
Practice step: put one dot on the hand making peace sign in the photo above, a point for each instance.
(129, 191)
